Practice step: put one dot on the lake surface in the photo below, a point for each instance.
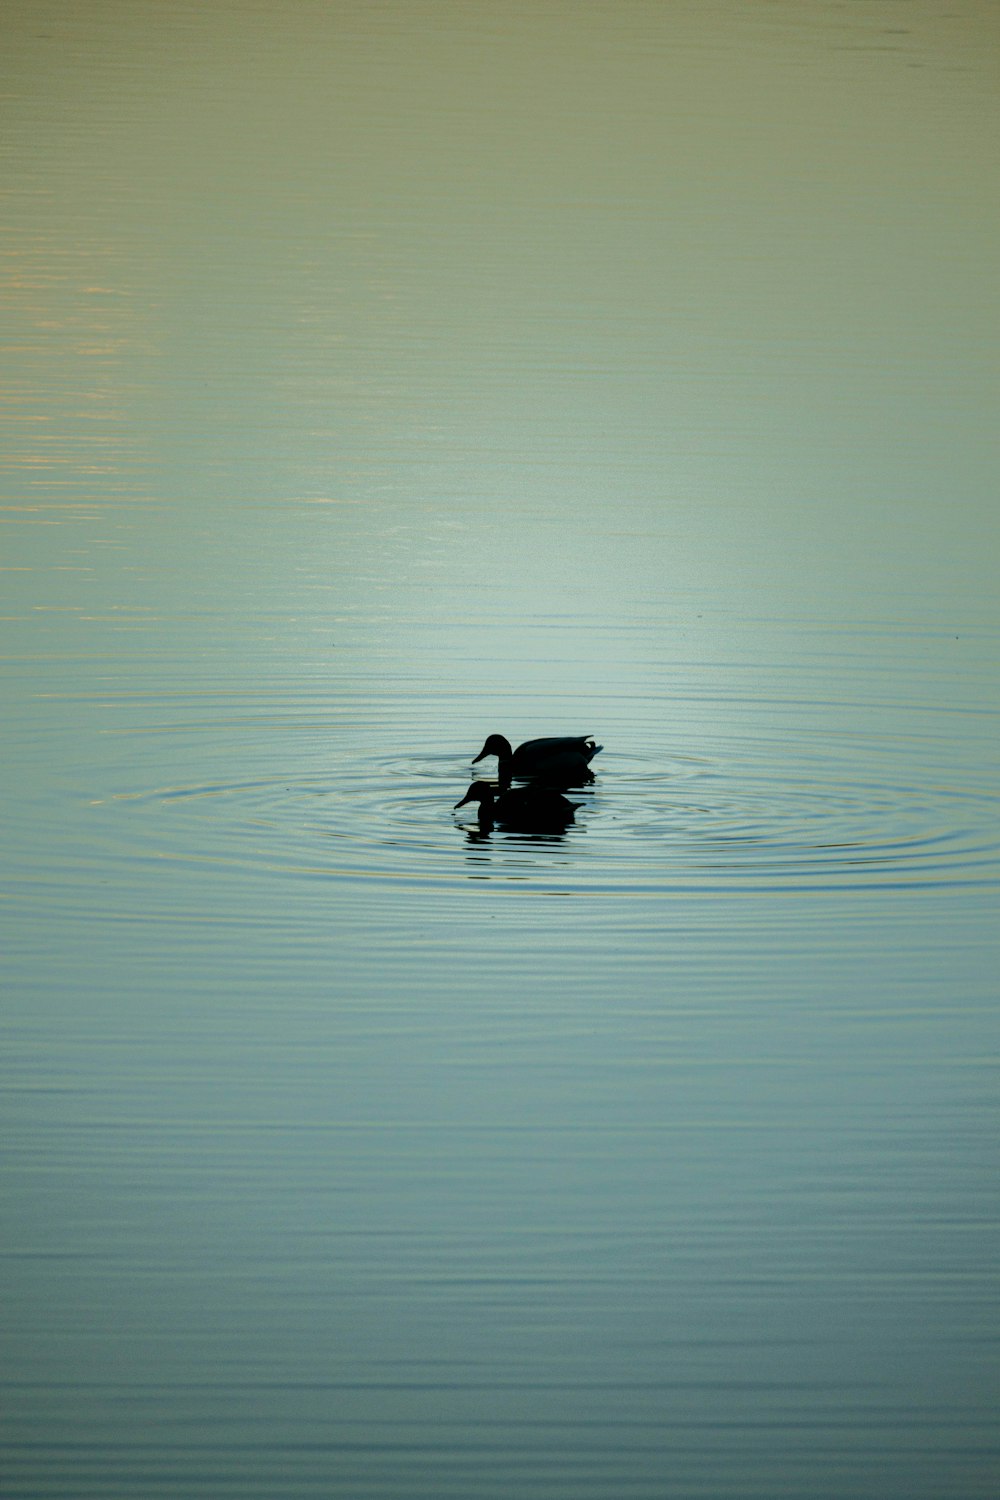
(377, 377)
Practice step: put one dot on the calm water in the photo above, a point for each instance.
(378, 377)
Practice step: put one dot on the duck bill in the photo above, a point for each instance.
(483, 752)
(464, 800)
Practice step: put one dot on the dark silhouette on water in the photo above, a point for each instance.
(529, 808)
(560, 760)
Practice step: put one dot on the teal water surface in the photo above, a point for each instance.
(380, 377)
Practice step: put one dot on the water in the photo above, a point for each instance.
(379, 378)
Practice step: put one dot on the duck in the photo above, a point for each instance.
(523, 807)
(563, 758)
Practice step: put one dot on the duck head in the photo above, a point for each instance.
(495, 745)
(479, 791)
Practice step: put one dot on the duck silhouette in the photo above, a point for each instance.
(562, 760)
(528, 808)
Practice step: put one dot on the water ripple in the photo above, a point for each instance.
(743, 818)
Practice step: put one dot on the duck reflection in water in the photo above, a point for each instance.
(527, 809)
(558, 760)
